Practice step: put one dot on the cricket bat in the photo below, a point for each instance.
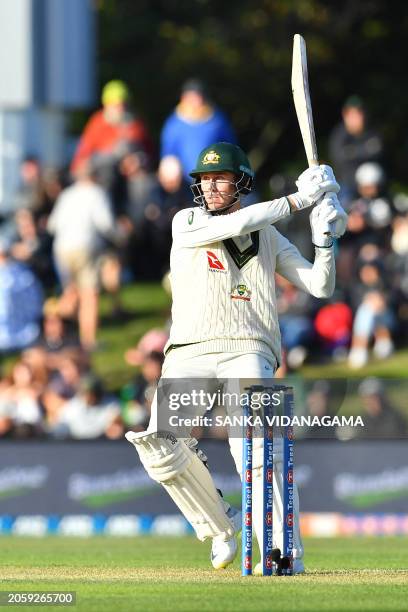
(301, 98)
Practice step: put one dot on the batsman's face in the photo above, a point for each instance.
(218, 188)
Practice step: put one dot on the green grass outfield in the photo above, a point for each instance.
(162, 573)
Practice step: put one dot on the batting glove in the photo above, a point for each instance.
(312, 184)
(327, 214)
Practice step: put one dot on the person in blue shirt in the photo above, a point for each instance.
(21, 300)
(194, 125)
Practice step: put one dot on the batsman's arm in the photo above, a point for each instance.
(318, 278)
(193, 227)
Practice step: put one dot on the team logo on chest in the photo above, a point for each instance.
(214, 263)
(241, 292)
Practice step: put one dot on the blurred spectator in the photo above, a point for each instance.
(20, 302)
(151, 202)
(174, 191)
(80, 220)
(333, 324)
(37, 193)
(109, 133)
(397, 263)
(351, 144)
(139, 189)
(54, 181)
(33, 247)
(194, 124)
(31, 192)
(19, 403)
(57, 355)
(91, 413)
(374, 318)
(136, 398)
(371, 214)
(381, 419)
(55, 337)
(153, 341)
(318, 405)
(172, 195)
(68, 369)
(295, 321)
(369, 219)
(63, 377)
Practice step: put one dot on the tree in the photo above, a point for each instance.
(243, 51)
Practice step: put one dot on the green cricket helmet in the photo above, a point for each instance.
(223, 157)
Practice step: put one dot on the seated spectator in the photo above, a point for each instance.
(381, 419)
(56, 336)
(295, 321)
(36, 193)
(19, 402)
(20, 303)
(31, 194)
(33, 247)
(108, 135)
(6, 423)
(91, 413)
(369, 219)
(67, 369)
(351, 144)
(153, 341)
(397, 264)
(371, 213)
(333, 324)
(138, 396)
(194, 125)
(80, 221)
(374, 318)
(36, 360)
(53, 399)
(319, 405)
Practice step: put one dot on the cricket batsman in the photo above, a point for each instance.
(222, 252)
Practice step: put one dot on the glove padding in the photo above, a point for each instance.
(312, 184)
(328, 213)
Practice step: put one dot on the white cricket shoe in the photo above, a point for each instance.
(223, 552)
(298, 567)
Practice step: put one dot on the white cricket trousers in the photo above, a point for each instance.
(183, 363)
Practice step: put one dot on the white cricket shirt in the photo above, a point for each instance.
(222, 278)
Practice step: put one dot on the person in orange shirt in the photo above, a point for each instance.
(109, 133)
